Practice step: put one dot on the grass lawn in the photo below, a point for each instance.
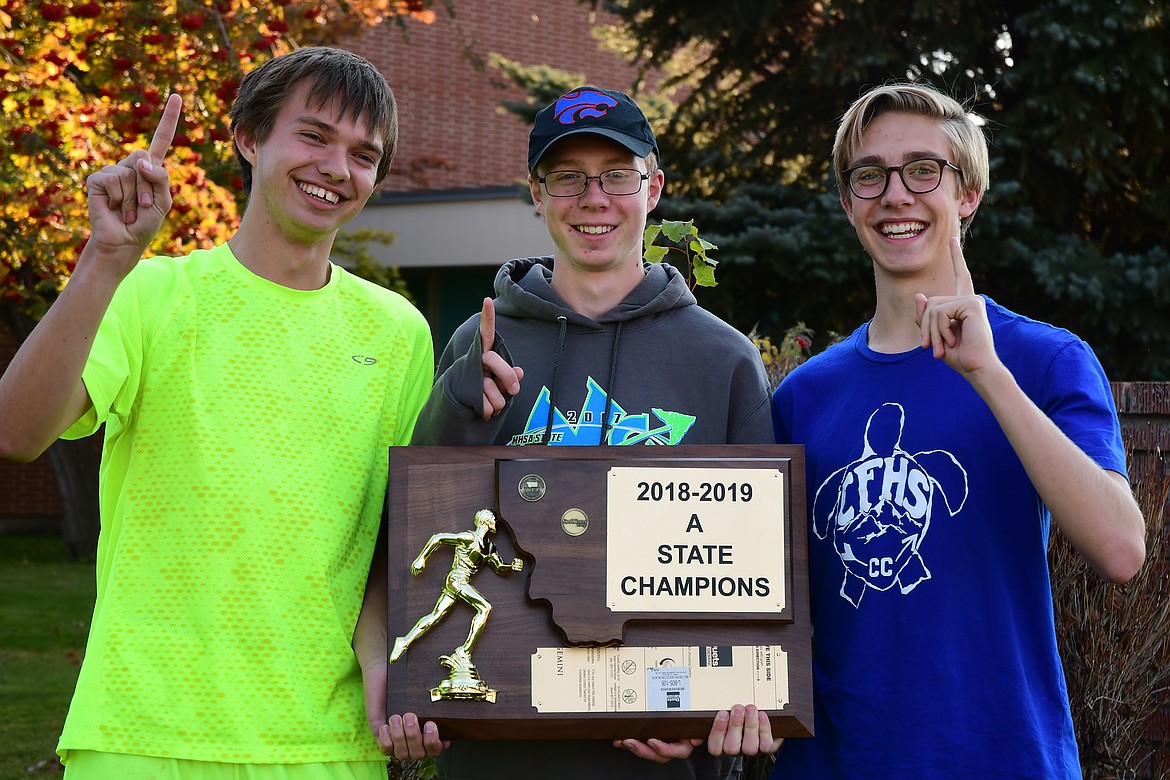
(45, 609)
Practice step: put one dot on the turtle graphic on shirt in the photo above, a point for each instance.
(879, 507)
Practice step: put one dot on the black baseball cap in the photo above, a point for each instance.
(604, 112)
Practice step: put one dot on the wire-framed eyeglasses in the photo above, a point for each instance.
(569, 184)
(918, 176)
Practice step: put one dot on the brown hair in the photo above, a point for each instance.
(333, 74)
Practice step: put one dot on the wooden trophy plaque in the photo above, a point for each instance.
(598, 592)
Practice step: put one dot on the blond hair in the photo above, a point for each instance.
(968, 144)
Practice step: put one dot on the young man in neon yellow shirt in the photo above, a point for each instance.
(249, 395)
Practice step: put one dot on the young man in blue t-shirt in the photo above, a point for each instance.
(941, 439)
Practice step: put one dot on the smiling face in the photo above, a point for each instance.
(594, 232)
(906, 233)
(313, 172)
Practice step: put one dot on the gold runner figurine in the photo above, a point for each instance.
(472, 548)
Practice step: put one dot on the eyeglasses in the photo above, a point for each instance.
(569, 184)
(918, 176)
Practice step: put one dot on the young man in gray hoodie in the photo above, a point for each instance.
(593, 346)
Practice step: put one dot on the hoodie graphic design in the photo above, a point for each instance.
(879, 507)
(584, 427)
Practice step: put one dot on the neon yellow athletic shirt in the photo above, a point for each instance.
(242, 482)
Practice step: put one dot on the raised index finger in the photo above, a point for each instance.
(487, 324)
(963, 283)
(167, 125)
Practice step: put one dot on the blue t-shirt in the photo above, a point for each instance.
(934, 649)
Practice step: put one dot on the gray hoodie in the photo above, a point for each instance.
(656, 369)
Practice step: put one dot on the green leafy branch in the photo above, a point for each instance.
(682, 237)
(795, 347)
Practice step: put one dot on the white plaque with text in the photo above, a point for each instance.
(649, 679)
(695, 540)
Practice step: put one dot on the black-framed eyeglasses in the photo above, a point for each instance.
(918, 176)
(569, 184)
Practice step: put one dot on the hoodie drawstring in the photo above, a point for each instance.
(552, 398)
(546, 436)
(609, 385)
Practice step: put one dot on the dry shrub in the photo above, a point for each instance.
(1113, 642)
(795, 348)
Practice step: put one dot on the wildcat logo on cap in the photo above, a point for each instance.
(581, 104)
(593, 110)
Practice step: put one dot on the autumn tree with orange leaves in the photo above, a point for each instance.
(82, 84)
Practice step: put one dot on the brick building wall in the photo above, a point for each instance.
(450, 109)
